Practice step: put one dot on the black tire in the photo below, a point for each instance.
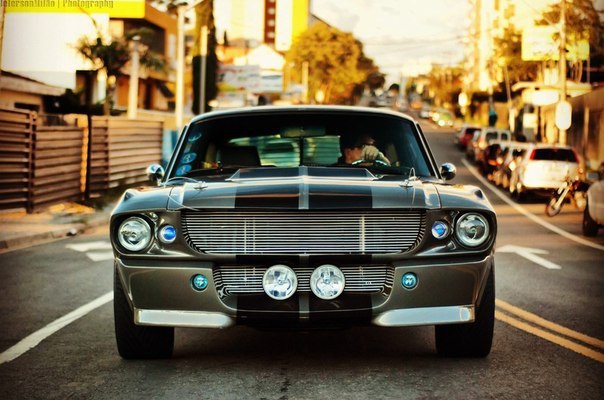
(590, 227)
(474, 339)
(137, 341)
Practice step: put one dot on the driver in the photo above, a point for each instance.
(359, 148)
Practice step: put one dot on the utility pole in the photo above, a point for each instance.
(133, 85)
(180, 66)
(202, 80)
(562, 137)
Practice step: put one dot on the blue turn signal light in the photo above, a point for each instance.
(409, 280)
(440, 230)
(167, 234)
(199, 282)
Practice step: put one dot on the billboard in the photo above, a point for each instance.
(540, 43)
(114, 8)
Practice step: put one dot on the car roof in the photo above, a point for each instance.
(302, 109)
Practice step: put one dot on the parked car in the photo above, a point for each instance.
(542, 169)
(482, 139)
(222, 239)
(507, 162)
(443, 118)
(465, 135)
(593, 215)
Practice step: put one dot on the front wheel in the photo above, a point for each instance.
(474, 339)
(136, 341)
(553, 207)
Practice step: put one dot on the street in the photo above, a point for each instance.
(548, 343)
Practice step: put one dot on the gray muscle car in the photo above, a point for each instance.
(299, 218)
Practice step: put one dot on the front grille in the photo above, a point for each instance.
(299, 232)
(248, 280)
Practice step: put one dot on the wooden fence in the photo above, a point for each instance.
(122, 149)
(16, 138)
(57, 165)
(45, 165)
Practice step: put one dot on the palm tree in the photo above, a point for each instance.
(112, 55)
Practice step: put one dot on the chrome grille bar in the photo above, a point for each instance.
(231, 280)
(303, 232)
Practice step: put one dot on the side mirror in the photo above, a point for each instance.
(448, 171)
(155, 173)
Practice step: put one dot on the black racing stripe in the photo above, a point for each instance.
(260, 310)
(325, 196)
(276, 196)
(344, 310)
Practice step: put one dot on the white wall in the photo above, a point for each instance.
(41, 45)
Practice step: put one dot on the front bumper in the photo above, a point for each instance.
(160, 294)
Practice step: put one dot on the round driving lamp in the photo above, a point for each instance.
(134, 234)
(472, 230)
(167, 234)
(327, 282)
(280, 282)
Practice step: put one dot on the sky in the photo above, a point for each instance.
(403, 37)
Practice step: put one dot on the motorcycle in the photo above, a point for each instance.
(574, 190)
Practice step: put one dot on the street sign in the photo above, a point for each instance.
(564, 114)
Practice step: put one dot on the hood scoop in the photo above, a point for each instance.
(260, 174)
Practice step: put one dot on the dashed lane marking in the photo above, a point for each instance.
(97, 251)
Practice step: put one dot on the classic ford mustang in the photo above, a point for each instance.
(299, 218)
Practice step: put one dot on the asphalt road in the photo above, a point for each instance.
(548, 334)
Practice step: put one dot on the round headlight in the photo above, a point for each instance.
(327, 282)
(472, 230)
(280, 282)
(134, 234)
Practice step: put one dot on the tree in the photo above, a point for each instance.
(113, 55)
(508, 52)
(583, 21)
(333, 62)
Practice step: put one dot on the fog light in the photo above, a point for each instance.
(167, 234)
(199, 282)
(409, 280)
(280, 282)
(440, 230)
(327, 282)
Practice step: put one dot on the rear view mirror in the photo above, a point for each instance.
(155, 173)
(448, 171)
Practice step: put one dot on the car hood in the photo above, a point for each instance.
(317, 189)
(305, 188)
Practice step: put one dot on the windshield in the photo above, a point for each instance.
(285, 140)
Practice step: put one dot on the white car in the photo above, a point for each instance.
(482, 139)
(593, 216)
(543, 168)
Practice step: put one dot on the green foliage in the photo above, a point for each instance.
(583, 21)
(113, 55)
(508, 50)
(335, 62)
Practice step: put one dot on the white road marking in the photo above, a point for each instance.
(35, 338)
(91, 250)
(100, 256)
(87, 246)
(528, 214)
(530, 254)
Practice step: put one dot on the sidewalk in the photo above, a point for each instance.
(20, 229)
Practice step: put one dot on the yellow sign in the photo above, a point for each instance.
(115, 8)
(541, 43)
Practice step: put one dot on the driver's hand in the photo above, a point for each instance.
(371, 153)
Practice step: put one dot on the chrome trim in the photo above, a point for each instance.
(232, 280)
(425, 316)
(189, 319)
(303, 232)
